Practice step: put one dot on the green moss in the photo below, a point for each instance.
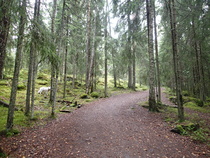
(12, 132)
(83, 96)
(94, 94)
(23, 74)
(42, 76)
(21, 86)
(19, 118)
(143, 88)
(200, 135)
(181, 129)
(3, 82)
(5, 93)
(185, 93)
(42, 82)
(190, 104)
(192, 99)
(2, 155)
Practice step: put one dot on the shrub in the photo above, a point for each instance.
(94, 94)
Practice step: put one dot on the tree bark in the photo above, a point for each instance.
(17, 66)
(92, 59)
(152, 102)
(129, 51)
(5, 13)
(134, 65)
(65, 62)
(32, 63)
(157, 59)
(105, 50)
(176, 59)
(54, 67)
(88, 44)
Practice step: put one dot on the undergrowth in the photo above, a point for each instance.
(202, 134)
(42, 109)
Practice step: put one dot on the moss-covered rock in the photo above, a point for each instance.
(197, 101)
(173, 99)
(190, 104)
(84, 96)
(42, 76)
(186, 128)
(94, 94)
(21, 86)
(185, 93)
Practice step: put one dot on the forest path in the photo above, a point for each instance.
(114, 127)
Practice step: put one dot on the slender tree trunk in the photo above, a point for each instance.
(114, 68)
(54, 67)
(65, 63)
(129, 51)
(157, 60)
(34, 59)
(91, 64)
(88, 44)
(5, 13)
(201, 74)
(32, 64)
(176, 60)
(134, 65)
(199, 84)
(105, 50)
(152, 102)
(17, 66)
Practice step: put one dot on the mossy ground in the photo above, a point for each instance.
(194, 114)
(42, 110)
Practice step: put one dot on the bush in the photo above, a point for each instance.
(94, 94)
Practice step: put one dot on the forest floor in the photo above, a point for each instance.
(110, 127)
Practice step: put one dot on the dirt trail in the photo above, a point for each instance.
(114, 127)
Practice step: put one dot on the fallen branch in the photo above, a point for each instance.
(6, 104)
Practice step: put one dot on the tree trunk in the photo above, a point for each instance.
(65, 62)
(105, 50)
(157, 60)
(88, 43)
(129, 51)
(54, 67)
(134, 65)
(92, 59)
(176, 60)
(17, 66)
(114, 68)
(32, 64)
(5, 13)
(152, 102)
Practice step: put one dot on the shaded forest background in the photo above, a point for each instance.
(158, 43)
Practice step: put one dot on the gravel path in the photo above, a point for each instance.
(114, 127)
